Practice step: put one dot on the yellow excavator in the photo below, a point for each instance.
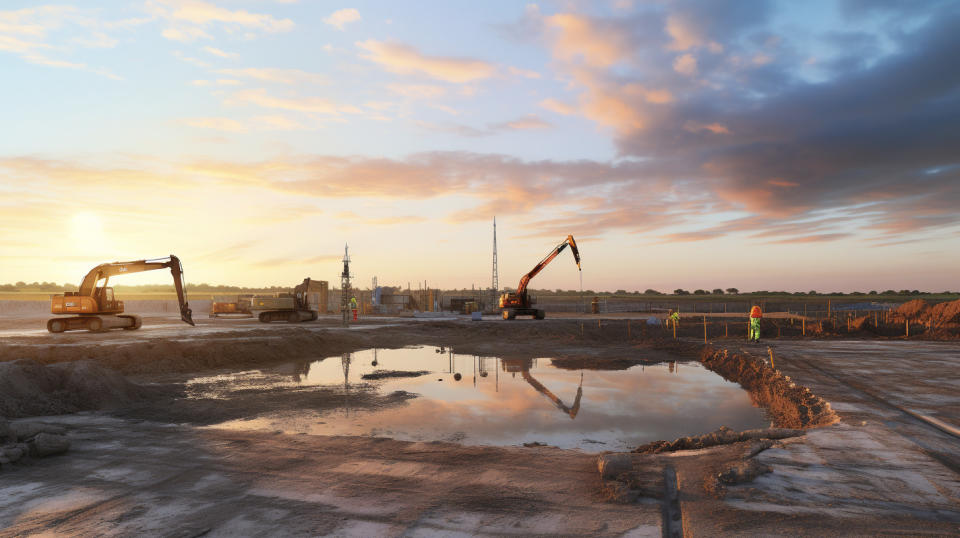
(518, 303)
(94, 308)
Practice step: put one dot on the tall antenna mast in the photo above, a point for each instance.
(495, 281)
(345, 286)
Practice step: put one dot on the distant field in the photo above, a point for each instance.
(45, 296)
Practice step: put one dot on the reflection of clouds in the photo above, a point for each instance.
(636, 405)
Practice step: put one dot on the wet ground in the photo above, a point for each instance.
(490, 401)
(881, 470)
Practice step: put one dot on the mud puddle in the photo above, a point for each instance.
(491, 401)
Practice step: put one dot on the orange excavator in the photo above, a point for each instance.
(523, 366)
(519, 303)
(94, 308)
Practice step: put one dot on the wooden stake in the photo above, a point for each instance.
(674, 330)
(726, 330)
(704, 329)
(804, 324)
(908, 328)
(770, 351)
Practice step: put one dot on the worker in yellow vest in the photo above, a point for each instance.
(753, 334)
(674, 318)
(353, 306)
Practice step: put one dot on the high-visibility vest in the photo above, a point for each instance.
(353, 302)
(755, 312)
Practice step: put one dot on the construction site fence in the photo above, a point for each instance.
(841, 324)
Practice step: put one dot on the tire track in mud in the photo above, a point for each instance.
(943, 454)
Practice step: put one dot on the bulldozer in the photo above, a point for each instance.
(290, 307)
(519, 303)
(95, 308)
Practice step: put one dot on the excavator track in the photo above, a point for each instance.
(290, 316)
(94, 324)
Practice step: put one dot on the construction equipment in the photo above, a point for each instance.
(518, 303)
(523, 366)
(95, 308)
(237, 306)
(290, 307)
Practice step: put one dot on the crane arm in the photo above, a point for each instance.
(104, 271)
(522, 288)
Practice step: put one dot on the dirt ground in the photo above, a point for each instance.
(150, 463)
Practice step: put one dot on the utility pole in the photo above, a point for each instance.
(495, 282)
(345, 286)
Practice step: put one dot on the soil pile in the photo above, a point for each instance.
(28, 388)
(911, 309)
(790, 405)
(940, 315)
(723, 436)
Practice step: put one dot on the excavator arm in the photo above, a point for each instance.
(525, 280)
(572, 411)
(88, 286)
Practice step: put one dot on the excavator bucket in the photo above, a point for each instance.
(186, 314)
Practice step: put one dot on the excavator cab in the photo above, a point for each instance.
(107, 301)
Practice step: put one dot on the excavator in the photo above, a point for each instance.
(291, 307)
(94, 308)
(519, 303)
(523, 366)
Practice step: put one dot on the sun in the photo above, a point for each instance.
(87, 232)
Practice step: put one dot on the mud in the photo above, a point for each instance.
(723, 436)
(28, 388)
(165, 475)
(788, 404)
(386, 374)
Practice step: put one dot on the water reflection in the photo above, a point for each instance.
(610, 409)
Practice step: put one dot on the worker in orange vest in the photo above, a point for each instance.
(755, 315)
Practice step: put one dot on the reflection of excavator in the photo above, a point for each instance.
(291, 307)
(95, 308)
(523, 366)
(519, 303)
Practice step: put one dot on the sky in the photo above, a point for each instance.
(762, 145)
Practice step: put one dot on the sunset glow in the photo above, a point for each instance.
(783, 145)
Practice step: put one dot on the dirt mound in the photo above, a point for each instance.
(28, 388)
(911, 309)
(945, 313)
(790, 405)
(723, 436)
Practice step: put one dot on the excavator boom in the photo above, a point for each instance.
(519, 302)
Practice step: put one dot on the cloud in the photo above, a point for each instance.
(342, 17)
(189, 20)
(260, 97)
(417, 91)
(582, 38)
(278, 123)
(404, 59)
(219, 124)
(558, 106)
(279, 76)
(220, 53)
(531, 121)
(685, 65)
(185, 35)
(525, 73)
(528, 122)
(28, 33)
(381, 221)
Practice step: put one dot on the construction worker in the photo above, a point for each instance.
(674, 318)
(353, 306)
(755, 315)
